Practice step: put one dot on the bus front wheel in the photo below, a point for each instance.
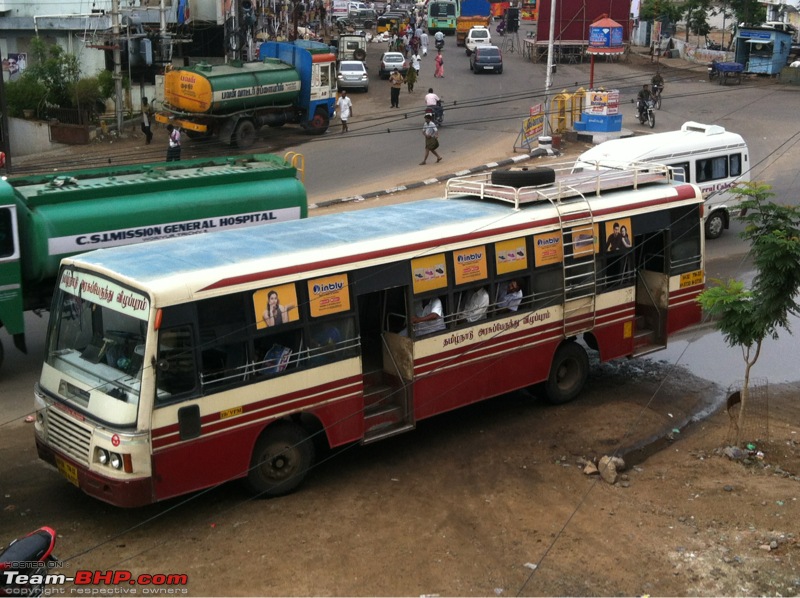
(568, 373)
(715, 224)
(282, 457)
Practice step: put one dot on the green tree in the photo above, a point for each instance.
(697, 17)
(748, 12)
(661, 10)
(55, 69)
(26, 93)
(747, 316)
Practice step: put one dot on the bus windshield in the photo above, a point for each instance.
(96, 346)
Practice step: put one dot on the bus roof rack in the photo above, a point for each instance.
(564, 183)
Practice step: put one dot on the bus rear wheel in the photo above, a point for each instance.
(568, 373)
(282, 457)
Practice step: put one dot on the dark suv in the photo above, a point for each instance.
(486, 59)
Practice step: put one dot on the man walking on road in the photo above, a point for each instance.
(431, 134)
(345, 106)
(396, 81)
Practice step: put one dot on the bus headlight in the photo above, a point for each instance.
(116, 461)
(102, 456)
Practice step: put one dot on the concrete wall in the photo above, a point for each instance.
(29, 137)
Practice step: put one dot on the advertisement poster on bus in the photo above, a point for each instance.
(328, 295)
(429, 272)
(470, 264)
(510, 256)
(275, 306)
(618, 235)
(586, 243)
(548, 248)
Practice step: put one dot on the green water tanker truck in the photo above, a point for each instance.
(44, 218)
(290, 83)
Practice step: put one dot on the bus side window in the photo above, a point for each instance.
(223, 337)
(681, 172)
(711, 169)
(736, 164)
(472, 304)
(332, 341)
(176, 372)
(275, 353)
(429, 316)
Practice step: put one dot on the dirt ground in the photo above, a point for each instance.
(487, 501)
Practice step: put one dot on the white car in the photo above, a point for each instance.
(352, 75)
(477, 36)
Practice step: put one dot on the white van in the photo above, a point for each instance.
(711, 157)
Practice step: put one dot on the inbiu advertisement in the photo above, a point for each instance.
(470, 264)
(328, 295)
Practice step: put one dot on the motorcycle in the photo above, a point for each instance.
(657, 89)
(647, 113)
(29, 556)
(436, 112)
(439, 43)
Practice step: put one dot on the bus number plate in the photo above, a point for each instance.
(68, 470)
(691, 279)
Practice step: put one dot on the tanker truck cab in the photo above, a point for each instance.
(707, 155)
(11, 304)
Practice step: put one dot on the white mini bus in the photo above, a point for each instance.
(711, 157)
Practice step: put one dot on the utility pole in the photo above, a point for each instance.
(6, 149)
(548, 82)
(115, 30)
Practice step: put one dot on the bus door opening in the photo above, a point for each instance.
(652, 291)
(386, 361)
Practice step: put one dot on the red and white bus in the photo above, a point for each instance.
(179, 364)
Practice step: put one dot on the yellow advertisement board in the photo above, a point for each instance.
(328, 295)
(429, 273)
(510, 256)
(585, 243)
(275, 306)
(470, 264)
(548, 248)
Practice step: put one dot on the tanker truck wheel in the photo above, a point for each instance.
(245, 134)
(319, 124)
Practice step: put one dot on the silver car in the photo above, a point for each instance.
(352, 75)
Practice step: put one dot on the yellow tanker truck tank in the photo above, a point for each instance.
(238, 86)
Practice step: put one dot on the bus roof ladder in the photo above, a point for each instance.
(577, 225)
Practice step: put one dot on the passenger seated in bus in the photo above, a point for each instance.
(476, 304)
(428, 317)
(509, 297)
